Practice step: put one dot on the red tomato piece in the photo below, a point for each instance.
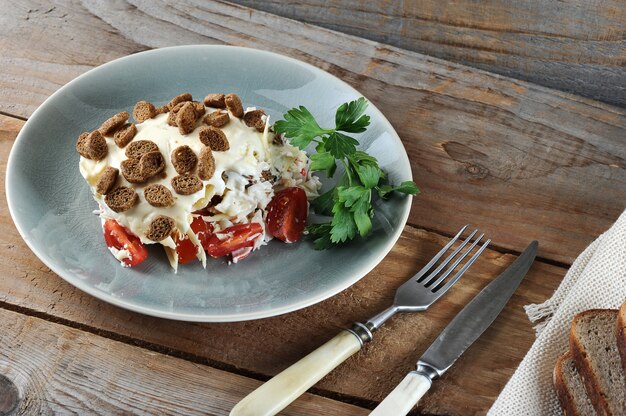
(233, 238)
(185, 248)
(286, 214)
(202, 229)
(120, 238)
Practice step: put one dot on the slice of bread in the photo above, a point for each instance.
(594, 351)
(570, 388)
(621, 334)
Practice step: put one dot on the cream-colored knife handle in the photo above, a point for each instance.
(287, 386)
(406, 395)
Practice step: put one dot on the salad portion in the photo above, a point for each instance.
(212, 179)
(201, 179)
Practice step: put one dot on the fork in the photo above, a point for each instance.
(416, 294)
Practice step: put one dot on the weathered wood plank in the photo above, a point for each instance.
(522, 161)
(61, 370)
(576, 46)
(267, 346)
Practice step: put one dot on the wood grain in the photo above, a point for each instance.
(265, 347)
(61, 370)
(522, 161)
(576, 46)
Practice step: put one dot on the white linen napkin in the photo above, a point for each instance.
(597, 279)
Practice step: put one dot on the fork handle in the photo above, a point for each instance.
(287, 386)
(406, 395)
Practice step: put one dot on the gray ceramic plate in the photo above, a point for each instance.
(52, 206)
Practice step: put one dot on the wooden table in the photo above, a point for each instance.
(521, 161)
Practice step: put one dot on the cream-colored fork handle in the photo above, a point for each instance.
(406, 395)
(287, 386)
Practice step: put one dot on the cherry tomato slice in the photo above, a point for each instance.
(286, 214)
(202, 229)
(185, 248)
(119, 238)
(233, 238)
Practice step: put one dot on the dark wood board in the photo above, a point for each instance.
(576, 46)
(521, 161)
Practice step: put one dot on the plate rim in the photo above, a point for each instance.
(70, 278)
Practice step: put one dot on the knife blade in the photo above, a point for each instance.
(461, 332)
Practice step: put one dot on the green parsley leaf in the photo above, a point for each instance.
(384, 191)
(324, 161)
(340, 145)
(323, 242)
(321, 232)
(357, 200)
(349, 194)
(343, 224)
(363, 222)
(323, 204)
(300, 127)
(406, 187)
(349, 116)
(361, 158)
(354, 197)
(349, 203)
(368, 174)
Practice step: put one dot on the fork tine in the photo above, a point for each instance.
(449, 258)
(434, 283)
(460, 273)
(434, 260)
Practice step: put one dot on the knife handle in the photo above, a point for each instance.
(287, 386)
(406, 395)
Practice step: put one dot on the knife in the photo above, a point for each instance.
(464, 329)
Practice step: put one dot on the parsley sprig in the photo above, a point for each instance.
(350, 202)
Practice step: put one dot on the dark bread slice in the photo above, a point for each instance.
(594, 350)
(186, 184)
(121, 199)
(200, 109)
(186, 118)
(217, 119)
(181, 98)
(96, 146)
(206, 164)
(184, 159)
(107, 180)
(131, 171)
(151, 163)
(233, 102)
(570, 388)
(160, 228)
(124, 135)
(140, 147)
(215, 101)
(214, 138)
(158, 196)
(254, 119)
(143, 111)
(173, 112)
(112, 124)
(81, 145)
(621, 334)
